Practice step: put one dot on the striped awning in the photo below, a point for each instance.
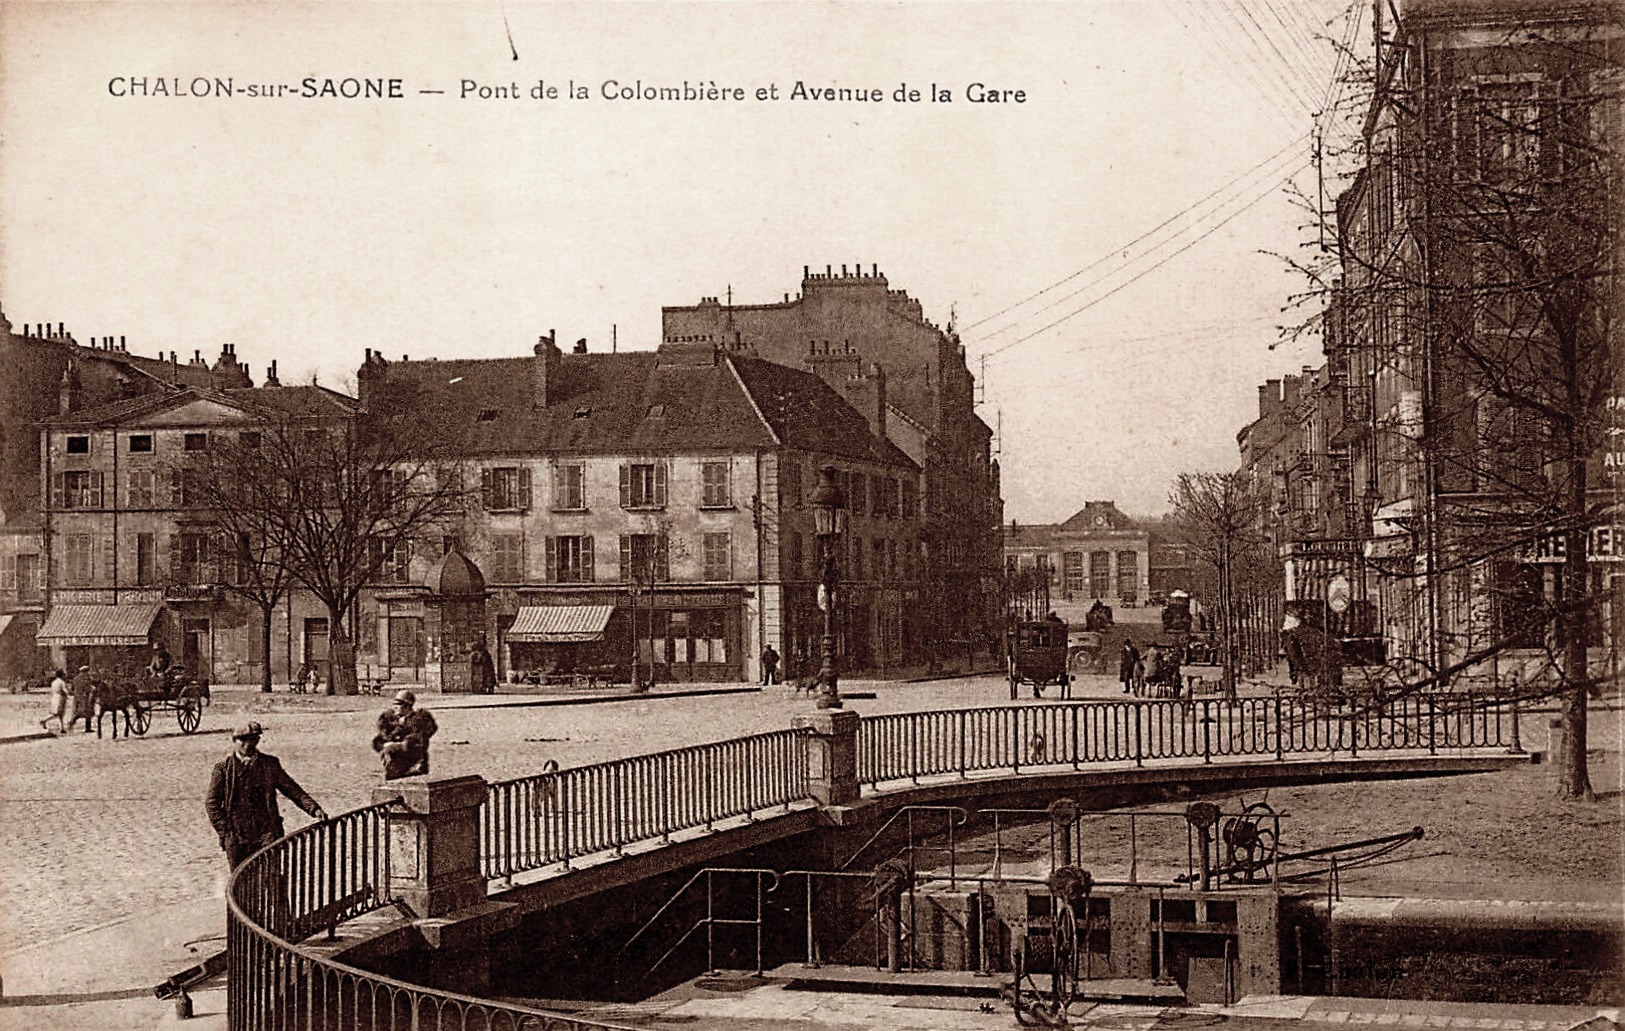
(98, 624)
(560, 624)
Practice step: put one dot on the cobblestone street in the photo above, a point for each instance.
(95, 830)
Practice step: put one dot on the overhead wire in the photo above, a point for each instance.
(1216, 44)
(1269, 175)
(1110, 255)
(1282, 67)
(1148, 270)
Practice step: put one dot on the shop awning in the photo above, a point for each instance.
(560, 624)
(98, 624)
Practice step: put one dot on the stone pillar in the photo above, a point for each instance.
(832, 755)
(434, 859)
(434, 842)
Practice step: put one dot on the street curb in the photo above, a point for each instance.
(31, 735)
(597, 699)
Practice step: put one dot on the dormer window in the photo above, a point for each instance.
(488, 415)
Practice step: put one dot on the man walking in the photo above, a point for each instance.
(403, 736)
(84, 695)
(242, 801)
(770, 666)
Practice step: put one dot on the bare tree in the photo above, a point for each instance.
(332, 503)
(1472, 319)
(1217, 515)
(234, 482)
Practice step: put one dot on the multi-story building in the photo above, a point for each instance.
(1472, 334)
(132, 555)
(1098, 554)
(874, 345)
(48, 372)
(652, 506)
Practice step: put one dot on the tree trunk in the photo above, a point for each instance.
(1573, 775)
(265, 647)
(340, 657)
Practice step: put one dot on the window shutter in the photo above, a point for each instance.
(58, 491)
(626, 486)
(110, 558)
(662, 557)
(728, 572)
(96, 487)
(559, 499)
(8, 572)
(175, 488)
(524, 488)
(550, 559)
(626, 542)
(660, 484)
(587, 572)
(487, 490)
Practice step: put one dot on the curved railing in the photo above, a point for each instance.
(339, 869)
(908, 746)
(554, 817)
(336, 870)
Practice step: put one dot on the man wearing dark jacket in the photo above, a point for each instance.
(242, 799)
(403, 736)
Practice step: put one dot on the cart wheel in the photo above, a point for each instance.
(188, 713)
(140, 717)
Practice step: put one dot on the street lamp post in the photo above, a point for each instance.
(829, 512)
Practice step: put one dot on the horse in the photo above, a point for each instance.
(116, 696)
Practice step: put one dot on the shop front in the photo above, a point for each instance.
(547, 643)
(111, 638)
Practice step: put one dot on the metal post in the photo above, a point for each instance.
(758, 924)
(812, 954)
(1517, 742)
(1278, 742)
(1139, 750)
(1207, 734)
(710, 927)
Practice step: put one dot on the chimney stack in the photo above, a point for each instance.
(544, 370)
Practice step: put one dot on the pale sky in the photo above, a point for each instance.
(309, 229)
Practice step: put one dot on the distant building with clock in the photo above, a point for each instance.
(1097, 554)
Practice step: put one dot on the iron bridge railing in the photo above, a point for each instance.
(560, 815)
(908, 746)
(327, 873)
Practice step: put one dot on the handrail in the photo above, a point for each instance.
(339, 869)
(903, 747)
(556, 816)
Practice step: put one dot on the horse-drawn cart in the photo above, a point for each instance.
(139, 696)
(1036, 654)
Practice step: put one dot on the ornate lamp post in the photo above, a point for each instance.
(829, 513)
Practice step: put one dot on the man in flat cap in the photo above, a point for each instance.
(242, 799)
(403, 736)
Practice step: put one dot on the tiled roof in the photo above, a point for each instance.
(617, 403)
(300, 402)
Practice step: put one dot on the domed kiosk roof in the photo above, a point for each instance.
(457, 575)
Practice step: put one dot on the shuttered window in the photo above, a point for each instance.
(505, 489)
(570, 559)
(719, 558)
(715, 490)
(643, 485)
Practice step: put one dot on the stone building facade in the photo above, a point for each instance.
(908, 376)
(652, 508)
(1098, 554)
